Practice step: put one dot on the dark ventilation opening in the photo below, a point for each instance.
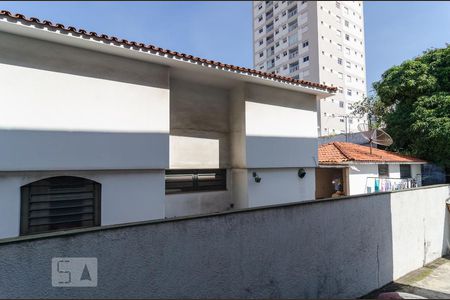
(59, 203)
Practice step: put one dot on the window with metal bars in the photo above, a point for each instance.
(195, 180)
(405, 171)
(59, 203)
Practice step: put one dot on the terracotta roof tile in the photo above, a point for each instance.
(107, 38)
(341, 152)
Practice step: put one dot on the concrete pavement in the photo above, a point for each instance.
(431, 281)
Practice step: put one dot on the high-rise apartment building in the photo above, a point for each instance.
(321, 41)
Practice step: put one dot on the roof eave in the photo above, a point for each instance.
(23, 28)
(355, 162)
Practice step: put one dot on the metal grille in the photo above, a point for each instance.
(59, 203)
(182, 181)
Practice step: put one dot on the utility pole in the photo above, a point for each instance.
(346, 131)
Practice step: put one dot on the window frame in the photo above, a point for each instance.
(195, 173)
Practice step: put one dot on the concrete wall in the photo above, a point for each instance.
(281, 128)
(358, 174)
(358, 178)
(418, 232)
(336, 248)
(126, 196)
(279, 186)
(199, 126)
(80, 109)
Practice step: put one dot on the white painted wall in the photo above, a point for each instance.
(80, 109)
(420, 229)
(279, 186)
(280, 128)
(239, 185)
(131, 196)
(359, 173)
(394, 170)
(358, 178)
(126, 196)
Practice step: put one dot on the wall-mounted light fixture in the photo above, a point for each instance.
(301, 173)
(257, 178)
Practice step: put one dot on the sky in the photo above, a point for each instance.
(394, 31)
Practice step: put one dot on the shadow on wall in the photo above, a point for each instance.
(199, 125)
(42, 55)
(64, 150)
(279, 151)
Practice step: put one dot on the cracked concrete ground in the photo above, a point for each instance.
(431, 281)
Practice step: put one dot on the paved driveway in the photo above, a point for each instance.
(431, 281)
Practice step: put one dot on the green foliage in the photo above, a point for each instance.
(369, 108)
(413, 101)
(432, 127)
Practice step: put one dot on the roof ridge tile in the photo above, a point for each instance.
(360, 153)
(342, 150)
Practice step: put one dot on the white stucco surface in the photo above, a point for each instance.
(100, 105)
(87, 111)
(126, 196)
(419, 228)
(80, 109)
(394, 170)
(280, 128)
(359, 176)
(280, 186)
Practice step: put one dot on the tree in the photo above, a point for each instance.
(413, 101)
(369, 108)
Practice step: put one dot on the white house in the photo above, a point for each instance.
(351, 169)
(96, 130)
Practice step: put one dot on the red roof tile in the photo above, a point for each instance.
(174, 54)
(340, 152)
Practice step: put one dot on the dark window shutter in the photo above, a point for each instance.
(383, 170)
(405, 171)
(59, 203)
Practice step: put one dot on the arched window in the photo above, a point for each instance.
(58, 203)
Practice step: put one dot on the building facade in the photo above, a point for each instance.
(96, 130)
(351, 169)
(321, 41)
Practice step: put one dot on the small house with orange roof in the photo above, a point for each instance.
(350, 169)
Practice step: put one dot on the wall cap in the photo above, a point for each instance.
(71, 232)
